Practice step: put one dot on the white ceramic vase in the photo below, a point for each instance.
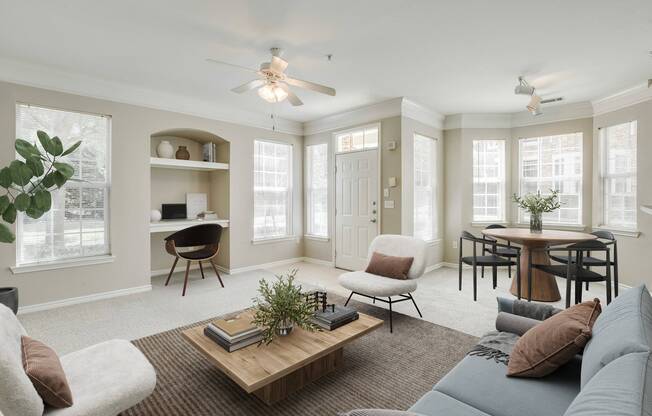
(165, 150)
(155, 215)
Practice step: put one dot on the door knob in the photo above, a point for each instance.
(372, 220)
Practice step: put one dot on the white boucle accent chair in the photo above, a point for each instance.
(105, 379)
(379, 287)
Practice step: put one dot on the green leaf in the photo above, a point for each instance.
(22, 202)
(48, 180)
(26, 149)
(71, 149)
(45, 141)
(5, 177)
(20, 173)
(36, 166)
(65, 169)
(57, 146)
(4, 203)
(43, 200)
(6, 236)
(34, 212)
(10, 214)
(59, 179)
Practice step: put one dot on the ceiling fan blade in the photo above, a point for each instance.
(215, 61)
(292, 97)
(278, 64)
(311, 86)
(249, 86)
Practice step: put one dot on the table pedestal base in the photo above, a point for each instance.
(544, 285)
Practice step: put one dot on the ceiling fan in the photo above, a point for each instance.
(272, 82)
(534, 106)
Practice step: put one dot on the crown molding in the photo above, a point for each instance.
(553, 114)
(478, 121)
(632, 96)
(422, 114)
(360, 115)
(73, 83)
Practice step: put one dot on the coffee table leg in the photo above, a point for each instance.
(283, 387)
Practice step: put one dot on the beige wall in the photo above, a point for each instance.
(132, 127)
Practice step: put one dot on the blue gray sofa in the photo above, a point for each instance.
(610, 379)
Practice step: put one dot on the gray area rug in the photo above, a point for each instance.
(380, 370)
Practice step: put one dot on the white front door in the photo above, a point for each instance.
(356, 218)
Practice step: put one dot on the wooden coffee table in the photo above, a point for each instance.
(273, 371)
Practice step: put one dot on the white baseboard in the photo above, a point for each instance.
(434, 267)
(83, 299)
(320, 262)
(265, 265)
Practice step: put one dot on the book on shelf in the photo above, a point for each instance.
(236, 325)
(228, 346)
(233, 339)
(209, 152)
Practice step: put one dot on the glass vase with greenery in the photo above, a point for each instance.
(536, 205)
(280, 306)
(29, 183)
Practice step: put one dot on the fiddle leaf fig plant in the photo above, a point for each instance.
(28, 183)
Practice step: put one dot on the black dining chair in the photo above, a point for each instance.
(508, 252)
(204, 239)
(608, 239)
(492, 260)
(574, 268)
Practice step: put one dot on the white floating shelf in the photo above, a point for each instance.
(647, 209)
(166, 226)
(157, 162)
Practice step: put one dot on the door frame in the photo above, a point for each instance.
(381, 198)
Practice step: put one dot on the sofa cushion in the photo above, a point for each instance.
(622, 388)
(17, 394)
(554, 342)
(624, 326)
(482, 383)
(389, 266)
(43, 367)
(370, 284)
(106, 379)
(435, 403)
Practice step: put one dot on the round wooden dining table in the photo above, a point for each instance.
(544, 285)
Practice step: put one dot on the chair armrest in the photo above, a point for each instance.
(515, 324)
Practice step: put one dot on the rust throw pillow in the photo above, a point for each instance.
(389, 266)
(43, 368)
(553, 342)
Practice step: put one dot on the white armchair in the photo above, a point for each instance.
(379, 287)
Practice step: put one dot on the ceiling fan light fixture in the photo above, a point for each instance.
(523, 88)
(534, 106)
(272, 93)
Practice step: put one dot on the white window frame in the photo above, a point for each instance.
(502, 181)
(290, 197)
(435, 189)
(309, 190)
(520, 212)
(72, 261)
(337, 134)
(603, 178)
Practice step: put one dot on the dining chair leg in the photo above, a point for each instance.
(176, 259)
(374, 300)
(460, 275)
(216, 272)
(509, 271)
(518, 276)
(615, 266)
(475, 283)
(568, 292)
(529, 276)
(391, 329)
(482, 272)
(185, 281)
(201, 269)
(494, 276)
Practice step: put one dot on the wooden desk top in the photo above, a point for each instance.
(524, 236)
(254, 367)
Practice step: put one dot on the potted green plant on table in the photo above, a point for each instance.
(28, 184)
(536, 205)
(280, 306)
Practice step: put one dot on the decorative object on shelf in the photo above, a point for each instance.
(29, 184)
(9, 298)
(196, 203)
(165, 150)
(207, 216)
(155, 215)
(183, 153)
(209, 152)
(329, 316)
(280, 306)
(174, 211)
(536, 205)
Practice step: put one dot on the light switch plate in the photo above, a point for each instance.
(389, 203)
(392, 181)
(386, 193)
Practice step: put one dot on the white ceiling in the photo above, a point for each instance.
(458, 56)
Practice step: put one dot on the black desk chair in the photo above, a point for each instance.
(507, 252)
(574, 268)
(205, 241)
(492, 260)
(589, 261)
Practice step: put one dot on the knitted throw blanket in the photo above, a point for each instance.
(495, 346)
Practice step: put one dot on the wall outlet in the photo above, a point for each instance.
(454, 243)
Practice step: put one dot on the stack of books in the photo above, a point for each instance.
(233, 334)
(334, 316)
(209, 152)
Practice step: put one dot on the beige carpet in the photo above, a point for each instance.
(380, 370)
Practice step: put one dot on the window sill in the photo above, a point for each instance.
(617, 231)
(563, 227)
(316, 238)
(486, 223)
(62, 264)
(275, 240)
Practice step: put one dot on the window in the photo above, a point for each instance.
(553, 162)
(361, 138)
(489, 180)
(425, 187)
(78, 223)
(317, 189)
(272, 190)
(618, 175)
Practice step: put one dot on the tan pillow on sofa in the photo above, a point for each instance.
(553, 342)
(44, 369)
(389, 266)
